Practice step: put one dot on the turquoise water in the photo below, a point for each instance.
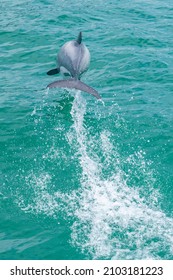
(83, 179)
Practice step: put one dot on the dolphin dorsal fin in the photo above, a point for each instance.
(79, 38)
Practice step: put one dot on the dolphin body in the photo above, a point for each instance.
(73, 59)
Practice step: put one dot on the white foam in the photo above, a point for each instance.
(113, 220)
(110, 218)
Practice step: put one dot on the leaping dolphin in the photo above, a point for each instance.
(73, 59)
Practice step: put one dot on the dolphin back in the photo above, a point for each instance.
(74, 57)
(76, 84)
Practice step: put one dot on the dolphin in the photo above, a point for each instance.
(73, 59)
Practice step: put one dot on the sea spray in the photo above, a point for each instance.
(112, 220)
(107, 217)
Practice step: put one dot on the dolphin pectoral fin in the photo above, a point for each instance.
(53, 71)
(72, 83)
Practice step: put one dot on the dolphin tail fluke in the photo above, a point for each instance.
(79, 38)
(72, 83)
(53, 71)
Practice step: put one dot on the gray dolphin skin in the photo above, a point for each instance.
(73, 60)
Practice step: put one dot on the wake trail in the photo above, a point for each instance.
(112, 220)
(108, 218)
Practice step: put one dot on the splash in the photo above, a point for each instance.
(40, 198)
(113, 220)
(110, 217)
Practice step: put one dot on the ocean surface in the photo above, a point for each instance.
(82, 178)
